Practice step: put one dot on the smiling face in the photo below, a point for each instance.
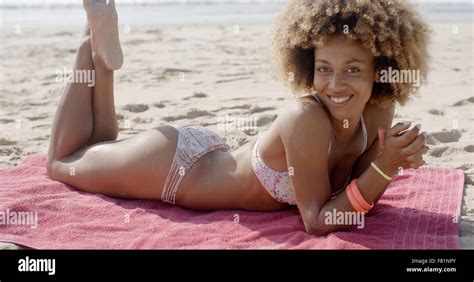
(343, 76)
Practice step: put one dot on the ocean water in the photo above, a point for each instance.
(155, 12)
(142, 12)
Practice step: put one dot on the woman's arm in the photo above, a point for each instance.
(306, 146)
(363, 163)
(305, 133)
(306, 143)
(377, 117)
(371, 184)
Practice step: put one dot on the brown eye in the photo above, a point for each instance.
(353, 70)
(323, 69)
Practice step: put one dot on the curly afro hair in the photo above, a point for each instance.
(391, 30)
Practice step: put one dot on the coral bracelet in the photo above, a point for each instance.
(355, 197)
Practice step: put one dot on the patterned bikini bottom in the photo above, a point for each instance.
(193, 143)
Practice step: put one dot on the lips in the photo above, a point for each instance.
(340, 100)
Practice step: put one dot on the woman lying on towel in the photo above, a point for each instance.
(333, 148)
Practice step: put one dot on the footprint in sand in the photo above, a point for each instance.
(266, 119)
(207, 124)
(237, 99)
(119, 116)
(173, 71)
(257, 109)
(438, 152)
(199, 95)
(61, 33)
(10, 150)
(436, 112)
(159, 105)
(154, 31)
(40, 139)
(244, 107)
(468, 180)
(140, 120)
(196, 95)
(464, 102)
(36, 104)
(192, 114)
(134, 42)
(38, 117)
(233, 79)
(42, 126)
(6, 120)
(469, 148)
(444, 137)
(135, 108)
(5, 142)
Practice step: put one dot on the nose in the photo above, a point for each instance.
(336, 83)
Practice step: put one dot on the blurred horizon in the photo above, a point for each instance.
(63, 12)
(31, 3)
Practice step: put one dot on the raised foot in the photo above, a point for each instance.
(103, 21)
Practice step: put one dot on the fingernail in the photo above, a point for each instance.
(406, 122)
(418, 126)
(425, 134)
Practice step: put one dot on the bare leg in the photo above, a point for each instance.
(73, 123)
(86, 116)
(105, 126)
(83, 151)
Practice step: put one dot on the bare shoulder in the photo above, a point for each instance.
(304, 118)
(305, 132)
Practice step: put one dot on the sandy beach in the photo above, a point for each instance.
(211, 74)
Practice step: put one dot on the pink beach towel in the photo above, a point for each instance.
(420, 210)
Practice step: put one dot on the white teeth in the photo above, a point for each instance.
(339, 100)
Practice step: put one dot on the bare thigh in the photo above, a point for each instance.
(130, 168)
